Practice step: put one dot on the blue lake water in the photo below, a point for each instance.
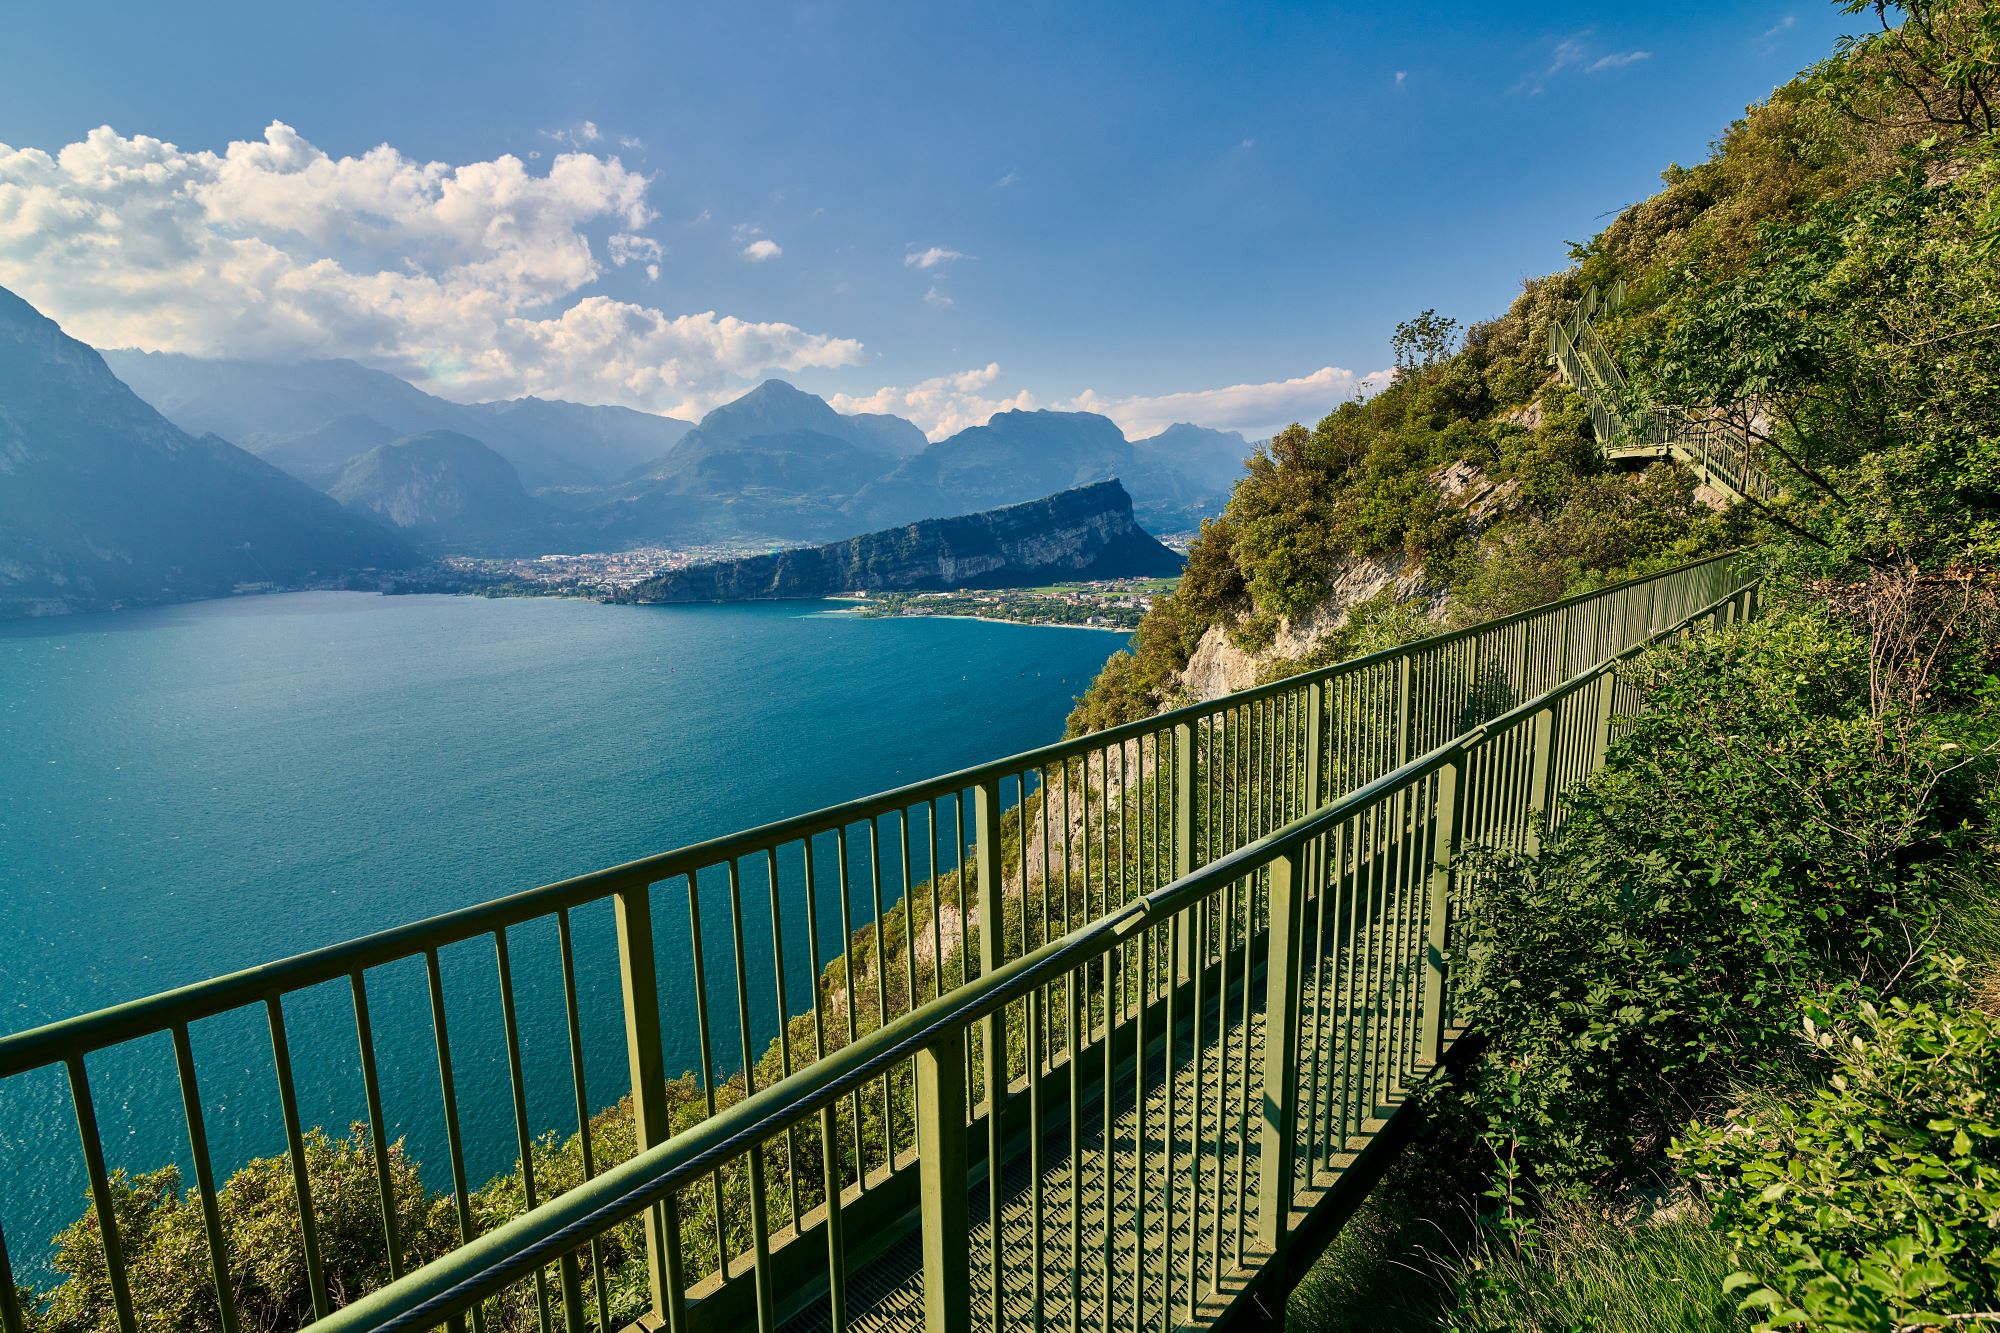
(191, 790)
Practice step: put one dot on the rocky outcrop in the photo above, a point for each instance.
(1218, 666)
(1086, 533)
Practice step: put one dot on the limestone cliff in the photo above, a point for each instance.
(1219, 666)
(1086, 533)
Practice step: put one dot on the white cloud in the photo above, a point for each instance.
(1257, 410)
(950, 403)
(1012, 177)
(1781, 25)
(931, 258)
(934, 297)
(1401, 75)
(759, 251)
(626, 248)
(1618, 61)
(582, 136)
(464, 278)
(943, 405)
(1569, 51)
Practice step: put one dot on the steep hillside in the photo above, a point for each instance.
(103, 502)
(1085, 533)
(1469, 487)
(445, 491)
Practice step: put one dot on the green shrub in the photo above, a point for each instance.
(1758, 840)
(1874, 1202)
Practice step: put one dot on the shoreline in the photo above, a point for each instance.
(860, 614)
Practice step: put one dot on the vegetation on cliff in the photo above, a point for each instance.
(1741, 1065)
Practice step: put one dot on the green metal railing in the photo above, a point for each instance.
(1117, 1019)
(1719, 454)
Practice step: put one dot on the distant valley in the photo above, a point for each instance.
(777, 463)
(132, 477)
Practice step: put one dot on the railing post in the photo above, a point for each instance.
(941, 1170)
(992, 940)
(639, 985)
(1541, 777)
(1281, 1052)
(1444, 853)
(1315, 740)
(1184, 848)
(1607, 694)
(1406, 710)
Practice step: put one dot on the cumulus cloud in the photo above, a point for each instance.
(759, 251)
(930, 258)
(463, 278)
(942, 405)
(950, 403)
(1257, 410)
(938, 299)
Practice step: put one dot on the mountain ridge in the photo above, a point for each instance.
(105, 503)
(1086, 532)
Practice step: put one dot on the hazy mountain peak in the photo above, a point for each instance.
(106, 502)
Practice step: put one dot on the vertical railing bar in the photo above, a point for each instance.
(882, 981)
(288, 1104)
(784, 1010)
(1139, 1182)
(378, 1128)
(204, 1183)
(566, 956)
(704, 1039)
(1250, 916)
(760, 1227)
(993, 1030)
(909, 948)
(1221, 1078)
(847, 983)
(1037, 1167)
(1175, 930)
(12, 1320)
(937, 905)
(448, 1095)
(517, 1084)
(100, 1193)
(941, 1170)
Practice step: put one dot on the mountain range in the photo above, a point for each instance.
(312, 418)
(130, 477)
(105, 503)
(776, 463)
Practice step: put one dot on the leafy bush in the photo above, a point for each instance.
(1874, 1202)
(1759, 839)
(166, 1251)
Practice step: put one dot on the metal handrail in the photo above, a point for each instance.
(1720, 457)
(1205, 779)
(457, 1283)
(50, 1043)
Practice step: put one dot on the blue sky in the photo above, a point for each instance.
(930, 210)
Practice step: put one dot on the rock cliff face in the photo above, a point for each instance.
(1219, 667)
(1086, 533)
